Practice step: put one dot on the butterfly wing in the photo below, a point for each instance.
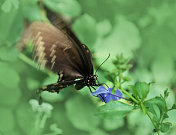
(84, 52)
(54, 50)
(56, 47)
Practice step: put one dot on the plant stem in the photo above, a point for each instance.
(128, 94)
(120, 79)
(154, 124)
(143, 107)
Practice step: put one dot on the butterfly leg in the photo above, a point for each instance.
(90, 89)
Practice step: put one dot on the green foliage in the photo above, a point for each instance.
(143, 31)
(21, 112)
(87, 30)
(67, 7)
(84, 119)
(158, 107)
(114, 110)
(9, 85)
(7, 123)
(140, 90)
(165, 126)
(31, 15)
(10, 14)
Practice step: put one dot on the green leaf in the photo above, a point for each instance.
(9, 77)
(113, 124)
(8, 54)
(159, 102)
(13, 95)
(81, 113)
(160, 70)
(104, 27)
(173, 107)
(166, 93)
(124, 38)
(133, 91)
(153, 105)
(67, 7)
(171, 117)
(9, 82)
(142, 89)
(87, 33)
(8, 27)
(114, 110)
(156, 111)
(6, 6)
(31, 10)
(137, 121)
(7, 121)
(32, 83)
(165, 127)
(55, 129)
(60, 117)
(15, 3)
(21, 116)
(98, 132)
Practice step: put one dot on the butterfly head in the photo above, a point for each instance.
(92, 80)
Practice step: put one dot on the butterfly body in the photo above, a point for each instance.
(56, 47)
(89, 81)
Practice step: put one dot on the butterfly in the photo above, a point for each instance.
(56, 47)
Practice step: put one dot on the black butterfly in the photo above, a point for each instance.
(56, 47)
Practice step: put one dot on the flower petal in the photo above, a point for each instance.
(118, 95)
(99, 90)
(102, 97)
(110, 89)
(114, 97)
(107, 98)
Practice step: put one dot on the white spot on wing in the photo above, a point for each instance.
(66, 48)
(52, 65)
(53, 47)
(40, 50)
(52, 55)
(53, 58)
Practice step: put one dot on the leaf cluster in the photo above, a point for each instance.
(156, 107)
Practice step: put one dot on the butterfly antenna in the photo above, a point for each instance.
(102, 63)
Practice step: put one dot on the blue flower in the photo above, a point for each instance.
(106, 95)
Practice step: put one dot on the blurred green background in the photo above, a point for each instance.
(144, 30)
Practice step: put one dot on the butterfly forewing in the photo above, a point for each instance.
(85, 55)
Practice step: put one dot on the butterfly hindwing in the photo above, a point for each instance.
(52, 49)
